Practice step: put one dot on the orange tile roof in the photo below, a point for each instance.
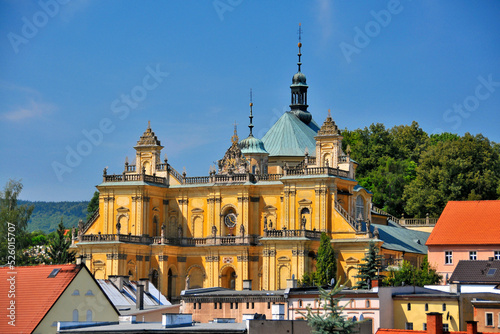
(467, 223)
(35, 294)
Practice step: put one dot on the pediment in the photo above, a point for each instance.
(351, 260)
(197, 210)
(155, 209)
(98, 263)
(283, 258)
(270, 208)
(305, 202)
(122, 209)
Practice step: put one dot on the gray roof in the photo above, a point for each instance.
(156, 327)
(480, 272)
(402, 239)
(126, 297)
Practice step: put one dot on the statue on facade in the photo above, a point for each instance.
(376, 233)
(179, 231)
(242, 230)
(187, 282)
(163, 229)
(80, 227)
(118, 227)
(214, 231)
(303, 222)
(270, 224)
(265, 223)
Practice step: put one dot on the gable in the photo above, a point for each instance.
(90, 297)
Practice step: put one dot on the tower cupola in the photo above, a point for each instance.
(298, 88)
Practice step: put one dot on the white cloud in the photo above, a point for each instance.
(33, 110)
(324, 14)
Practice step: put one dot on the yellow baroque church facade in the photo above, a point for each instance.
(256, 219)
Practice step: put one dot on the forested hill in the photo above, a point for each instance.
(413, 173)
(47, 215)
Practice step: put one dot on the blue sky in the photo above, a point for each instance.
(74, 70)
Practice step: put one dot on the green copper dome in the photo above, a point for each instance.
(252, 145)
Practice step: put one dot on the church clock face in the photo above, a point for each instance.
(230, 220)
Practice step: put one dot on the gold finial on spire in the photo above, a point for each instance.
(329, 113)
(250, 126)
(299, 45)
(234, 138)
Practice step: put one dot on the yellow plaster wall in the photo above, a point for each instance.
(417, 314)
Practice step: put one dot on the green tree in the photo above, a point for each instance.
(331, 319)
(326, 265)
(369, 268)
(467, 168)
(408, 274)
(307, 279)
(93, 205)
(428, 275)
(58, 250)
(13, 221)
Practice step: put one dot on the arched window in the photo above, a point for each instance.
(367, 303)
(76, 293)
(89, 315)
(75, 315)
(360, 208)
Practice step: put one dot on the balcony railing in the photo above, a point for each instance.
(130, 174)
(158, 240)
(283, 233)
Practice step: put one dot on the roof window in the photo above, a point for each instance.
(491, 272)
(54, 273)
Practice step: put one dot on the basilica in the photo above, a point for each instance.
(255, 221)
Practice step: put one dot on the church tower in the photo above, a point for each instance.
(148, 151)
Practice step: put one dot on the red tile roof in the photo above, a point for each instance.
(35, 294)
(467, 223)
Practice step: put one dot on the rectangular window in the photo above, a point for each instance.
(199, 306)
(425, 326)
(220, 306)
(426, 307)
(445, 328)
(444, 307)
(409, 326)
(496, 255)
(409, 306)
(268, 305)
(253, 305)
(248, 305)
(194, 305)
(215, 306)
(473, 255)
(231, 306)
(448, 257)
(236, 305)
(489, 319)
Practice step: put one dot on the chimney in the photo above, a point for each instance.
(291, 283)
(80, 260)
(139, 297)
(471, 327)
(247, 284)
(144, 282)
(119, 280)
(434, 323)
(377, 282)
